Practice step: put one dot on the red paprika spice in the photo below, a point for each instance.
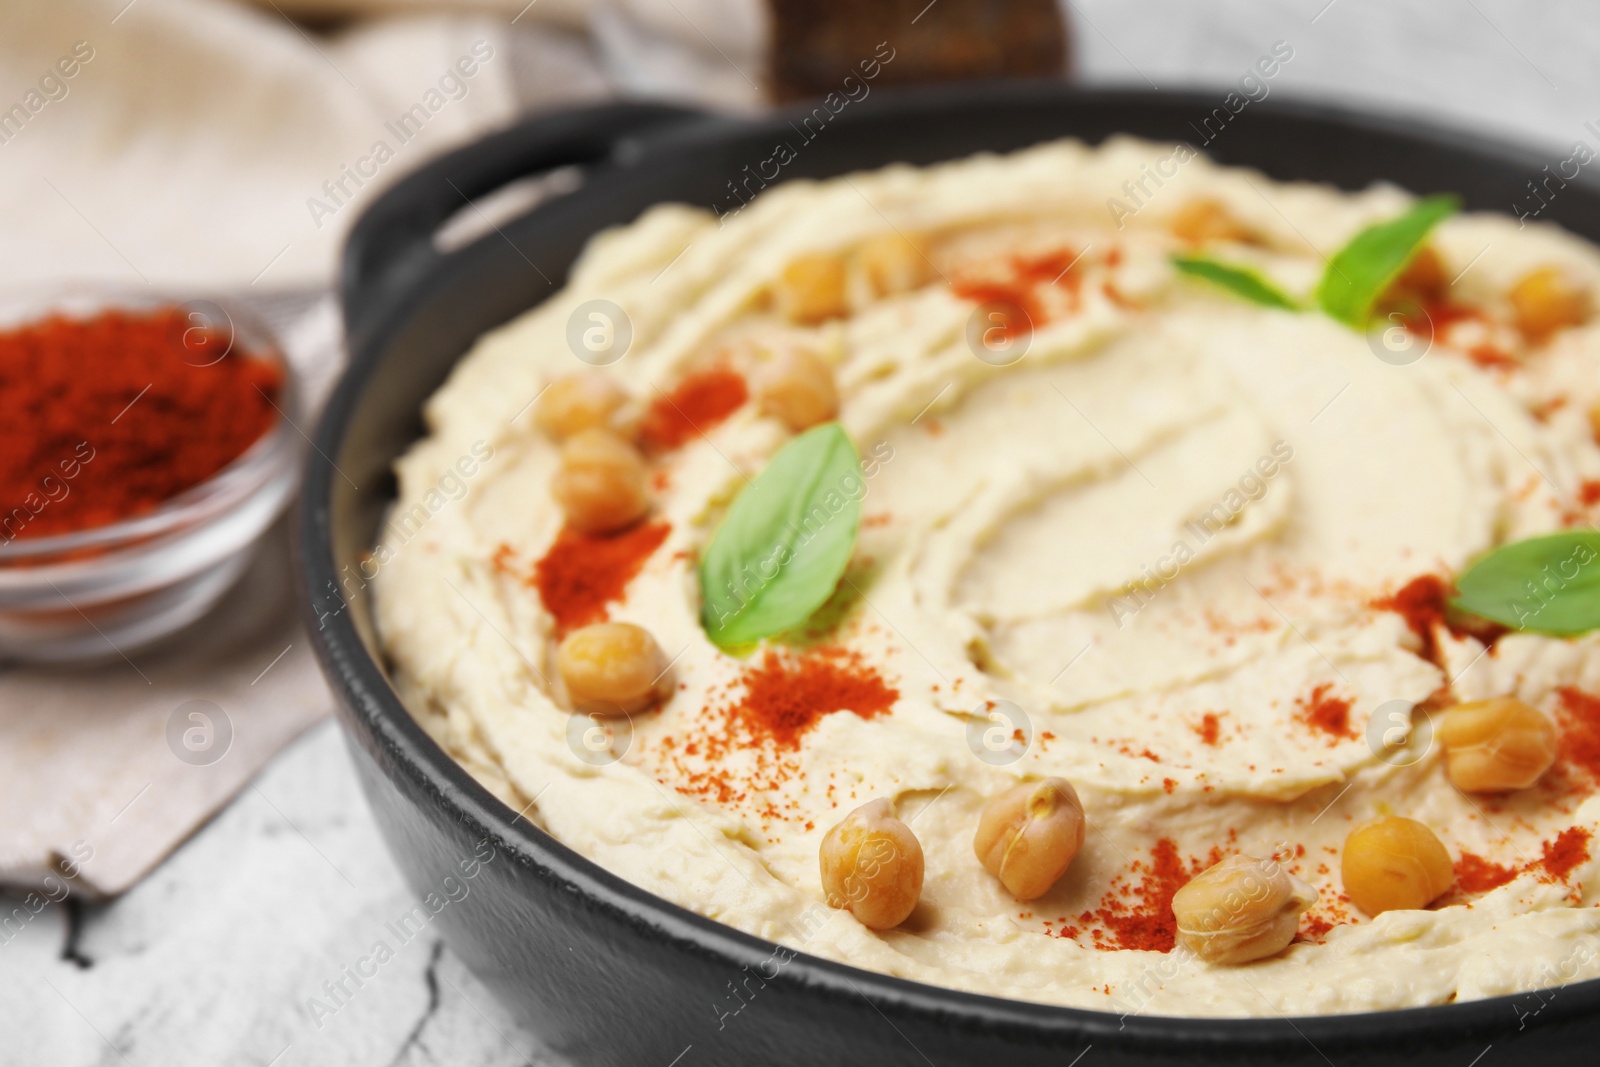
(1559, 857)
(698, 403)
(1580, 737)
(1474, 874)
(785, 696)
(106, 418)
(1136, 912)
(1562, 856)
(1424, 604)
(1326, 713)
(748, 743)
(583, 574)
(1017, 290)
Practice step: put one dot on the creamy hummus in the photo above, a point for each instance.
(1148, 556)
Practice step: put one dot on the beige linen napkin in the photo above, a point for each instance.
(104, 770)
(194, 138)
(181, 153)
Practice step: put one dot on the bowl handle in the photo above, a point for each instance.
(393, 241)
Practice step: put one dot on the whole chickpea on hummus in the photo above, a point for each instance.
(971, 578)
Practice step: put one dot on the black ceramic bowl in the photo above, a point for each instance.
(604, 971)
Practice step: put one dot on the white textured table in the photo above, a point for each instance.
(215, 958)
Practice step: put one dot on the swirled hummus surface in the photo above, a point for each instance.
(1183, 551)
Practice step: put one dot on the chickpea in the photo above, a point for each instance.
(1423, 279)
(1203, 220)
(1547, 299)
(797, 388)
(611, 668)
(812, 289)
(1494, 746)
(872, 866)
(1394, 863)
(1239, 910)
(894, 263)
(583, 401)
(602, 482)
(1028, 836)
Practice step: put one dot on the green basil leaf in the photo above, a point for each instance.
(787, 538)
(1240, 281)
(1362, 270)
(1546, 585)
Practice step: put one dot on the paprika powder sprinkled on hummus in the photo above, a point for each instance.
(764, 717)
(1423, 603)
(1137, 914)
(1557, 860)
(1580, 733)
(1036, 287)
(1474, 874)
(584, 573)
(695, 406)
(1562, 856)
(1326, 713)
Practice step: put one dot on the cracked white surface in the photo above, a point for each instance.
(213, 958)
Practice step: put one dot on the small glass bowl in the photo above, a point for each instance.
(102, 592)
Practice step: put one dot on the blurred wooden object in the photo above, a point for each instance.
(569, 13)
(815, 44)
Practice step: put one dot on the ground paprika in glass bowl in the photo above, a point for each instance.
(149, 444)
